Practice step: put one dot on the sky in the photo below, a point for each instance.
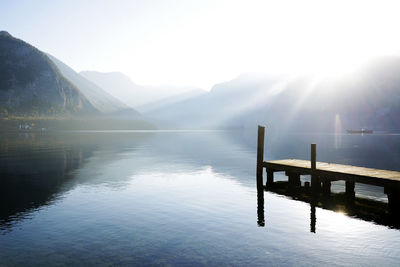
(201, 43)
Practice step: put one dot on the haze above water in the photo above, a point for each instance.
(180, 198)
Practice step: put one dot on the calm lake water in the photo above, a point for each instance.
(180, 198)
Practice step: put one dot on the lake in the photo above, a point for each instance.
(180, 198)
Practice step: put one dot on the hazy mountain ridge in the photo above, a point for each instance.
(100, 99)
(35, 84)
(368, 97)
(221, 105)
(123, 88)
(31, 84)
(171, 100)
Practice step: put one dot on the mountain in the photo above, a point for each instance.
(367, 98)
(120, 86)
(100, 99)
(170, 100)
(31, 84)
(218, 107)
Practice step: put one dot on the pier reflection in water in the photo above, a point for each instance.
(365, 209)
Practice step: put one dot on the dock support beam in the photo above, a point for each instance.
(394, 203)
(393, 194)
(350, 192)
(315, 182)
(294, 178)
(270, 177)
(260, 156)
(326, 187)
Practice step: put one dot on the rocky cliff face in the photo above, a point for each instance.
(100, 99)
(31, 85)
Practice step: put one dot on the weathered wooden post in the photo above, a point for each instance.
(260, 156)
(313, 156)
(315, 183)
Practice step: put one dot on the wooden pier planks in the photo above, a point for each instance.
(335, 171)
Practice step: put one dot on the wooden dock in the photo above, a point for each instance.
(335, 171)
(322, 174)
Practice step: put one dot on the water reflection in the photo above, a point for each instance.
(356, 207)
(37, 169)
(313, 218)
(260, 208)
(33, 172)
(165, 199)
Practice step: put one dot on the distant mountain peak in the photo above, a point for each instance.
(5, 34)
(135, 95)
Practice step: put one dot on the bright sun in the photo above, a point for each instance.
(328, 37)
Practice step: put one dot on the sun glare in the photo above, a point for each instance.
(330, 38)
(326, 38)
(337, 221)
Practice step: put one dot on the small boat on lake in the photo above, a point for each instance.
(362, 131)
